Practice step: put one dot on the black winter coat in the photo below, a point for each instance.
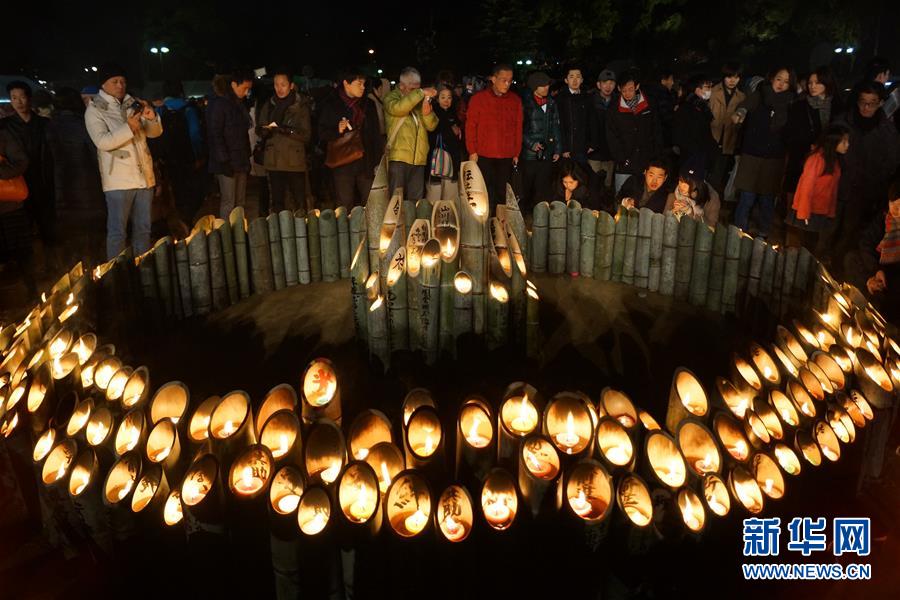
(601, 150)
(635, 138)
(870, 162)
(692, 133)
(576, 123)
(333, 110)
(228, 131)
(767, 114)
(802, 130)
(78, 185)
(540, 127)
(35, 139)
(634, 188)
(452, 144)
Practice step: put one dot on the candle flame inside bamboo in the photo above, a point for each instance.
(172, 513)
(463, 283)
(43, 445)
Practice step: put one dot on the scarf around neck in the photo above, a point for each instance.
(280, 107)
(356, 106)
(889, 247)
(822, 104)
(689, 207)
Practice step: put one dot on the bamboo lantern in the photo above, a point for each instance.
(735, 401)
(9, 423)
(698, 285)
(445, 228)
(85, 347)
(538, 470)
(132, 432)
(852, 409)
(164, 447)
(768, 476)
(501, 266)
(376, 205)
(391, 236)
(567, 422)
(90, 366)
(633, 500)
(43, 445)
(805, 336)
(784, 407)
(301, 243)
(454, 515)
(321, 394)
(370, 427)
(377, 325)
(163, 264)
(230, 426)
(398, 317)
(217, 279)
(787, 459)
(807, 447)
(664, 461)
(691, 509)
(765, 366)
(71, 307)
(103, 372)
(519, 416)
(344, 247)
(648, 423)
(359, 273)
(324, 454)
(518, 285)
(844, 358)
(121, 480)
(286, 490)
(250, 472)
(80, 417)
(863, 404)
(226, 239)
(556, 246)
(15, 396)
(429, 299)
(541, 237)
(183, 278)
(825, 338)
(407, 504)
(841, 424)
(414, 399)
(170, 402)
(852, 336)
(423, 438)
(687, 234)
(314, 511)
(830, 368)
(618, 244)
(572, 237)
(419, 234)
(497, 316)
(644, 223)
(532, 322)
(698, 446)
(820, 376)
(201, 493)
(58, 462)
(281, 434)
(757, 265)
(768, 416)
(716, 292)
(198, 260)
(715, 495)
(791, 346)
(85, 471)
(262, 271)
(827, 440)
(151, 493)
(620, 407)
(613, 443)
(330, 248)
(475, 444)
(424, 207)
(357, 496)
(756, 430)
(745, 490)
(314, 244)
(136, 389)
(686, 398)
(603, 246)
(99, 429)
(116, 385)
(198, 425)
(873, 380)
(462, 307)
(589, 492)
(387, 460)
(588, 241)
(60, 343)
(280, 397)
(499, 500)
(802, 400)
(731, 437)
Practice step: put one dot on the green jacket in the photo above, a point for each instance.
(411, 143)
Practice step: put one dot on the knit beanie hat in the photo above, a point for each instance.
(108, 71)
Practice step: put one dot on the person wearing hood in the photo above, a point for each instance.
(764, 114)
(284, 125)
(119, 126)
(228, 129)
(632, 129)
(691, 133)
(540, 140)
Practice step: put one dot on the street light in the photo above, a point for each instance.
(838, 50)
(94, 69)
(164, 50)
(528, 62)
(154, 50)
(159, 51)
(371, 51)
(850, 50)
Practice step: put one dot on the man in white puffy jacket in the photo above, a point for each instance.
(119, 128)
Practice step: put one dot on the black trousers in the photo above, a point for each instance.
(496, 172)
(279, 184)
(187, 189)
(352, 184)
(537, 182)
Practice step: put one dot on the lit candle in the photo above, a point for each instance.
(282, 448)
(385, 480)
(690, 520)
(525, 422)
(362, 507)
(767, 373)
(829, 453)
(786, 416)
(739, 450)
(61, 472)
(768, 486)
(314, 524)
(226, 429)
(361, 454)
(416, 522)
(497, 512)
(125, 489)
(43, 445)
(82, 482)
(426, 448)
(627, 421)
(249, 482)
(96, 431)
(453, 529)
(580, 504)
(474, 438)
(716, 506)
(705, 464)
(288, 503)
(538, 467)
(617, 454)
(669, 472)
(568, 439)
(331, 473)
(637, 515)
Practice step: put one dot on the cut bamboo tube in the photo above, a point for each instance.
(657, 226)
(631, 233)
(429, 299)
(462, 307)
(359, 272)
(445, 228)
(166, 279)
(149, 290)
(260, 256)
(241, 253)
(301, 241)
(517, 285)
(687, 398)
(183, 265)
(730, 272)
(699, 283)
(344, 248)
(791, 256)
(218, 283)
(804, 267)
(288, 247)
(419, 233)
(573, 238)
(315, 246)
(512, 217)
(767, 277)
(588, 241)
(358, 228)
(717, 269)
(603, 248)
(391, 235)
(498, 316)
(776, 281)
(398, 318)
(227, 241)
(449, 268)
(540, 237)
(744, 259)
(198, 254)
(754, 275)
(474, 212)
(424, 209)
(618, 255)
(500, 260)
(669, 255)
(642, 254)
(409, 214)
(379, 342)
(687, 233)
(376, 205)
(532, 323)
(556, 246)
(204, 223)
(328, 239)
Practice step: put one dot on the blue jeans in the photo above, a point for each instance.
(122, 205)
(766, 212)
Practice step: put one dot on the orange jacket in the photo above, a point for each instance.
(817, 191)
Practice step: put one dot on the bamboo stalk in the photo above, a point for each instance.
(328, 238)
(218, 284)
(669, 255)
(301, 243)
(231, 278)
(398, 318)
(756, 267)
(791, 257)
(556, 247)
(358, 228)
(376, 205)
(657, 227)
(603, 249)
(149, 290)
(359, 272)
(744, 268)
(462, 307)
(344, 248)
(198, 254)
(699, 282)
(802, 275)
(540, 237)
(573, 238)
(767, 277)
(687, 233)
(166, 279)
(474, 211)
(631, 232)
(409, 214)
(419, 233)
(716, 269)
(532, 323)
(642, 254)
(429, 299)
(777, 279)
(447, 292)
(730, 274)
(424, 209)
(315, 246)
(379, 341)
(288, 247)
(241, 253)
(498, 316)
(260, 256)
(588, 241)
(500, 258)
(183, 268)
(517, 285)
(512, 216)
(621, 231)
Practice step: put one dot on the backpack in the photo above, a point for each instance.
(175, 142)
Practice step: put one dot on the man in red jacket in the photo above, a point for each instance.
(494, 131)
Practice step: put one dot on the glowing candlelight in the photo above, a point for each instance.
(627, 421)
(526, 419)
(331, 473)
(829, 453)
(568, 439)
(716, 506)
(283, 445)
(315, 524)
(580, 504)
(497, 512)
(739, 450)
(227, 429)
(288, 503)
(96, 432)
(361, 454)
(364, 505)
(617, 454)
(249, 482)
(768, 486)
(453, 530)
(61, 472)
(125, 489)
(172, 512)
(705, 464)
(79, 481)
(416, 522)
(473, 437)
(44, 444)
(537, 467)
(426, 448)
(161, 454)
(385, 480)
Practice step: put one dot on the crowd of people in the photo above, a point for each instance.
(801, 161)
